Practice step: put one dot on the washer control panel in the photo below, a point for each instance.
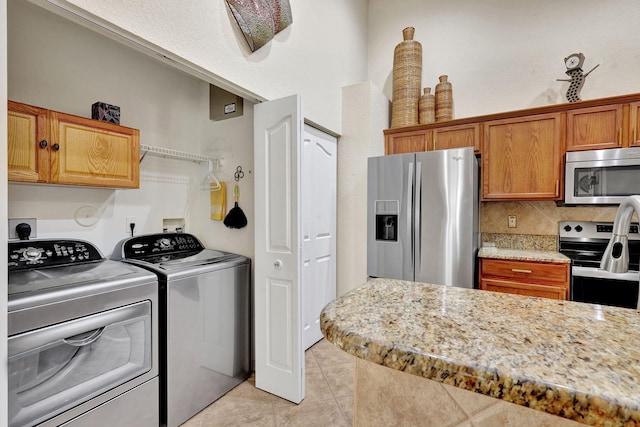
(163, 243)
(27, 254)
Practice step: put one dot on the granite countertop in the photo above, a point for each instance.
(522, 255)
(579, 361)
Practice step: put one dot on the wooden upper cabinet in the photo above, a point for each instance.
(91, 152)
(28, 143)
(634, 124)
(595, 128)
(56, 148)
(522, 158)
(459, 136)
(406, 142)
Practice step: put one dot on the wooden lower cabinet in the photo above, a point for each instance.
(538, 279)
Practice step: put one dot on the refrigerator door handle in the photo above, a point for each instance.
(417, 218)
(409, 207)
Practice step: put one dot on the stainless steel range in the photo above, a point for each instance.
(82, 338)
(585, 242)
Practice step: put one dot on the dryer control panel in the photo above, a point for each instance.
(157, 244)
(27, 254)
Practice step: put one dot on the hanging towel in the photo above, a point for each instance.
(218, 197)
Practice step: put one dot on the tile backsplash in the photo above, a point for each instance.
(538, 218)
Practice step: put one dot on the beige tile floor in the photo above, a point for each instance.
(328, 400)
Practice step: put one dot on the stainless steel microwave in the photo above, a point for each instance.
(601, 177)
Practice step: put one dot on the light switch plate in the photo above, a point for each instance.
(15, 221)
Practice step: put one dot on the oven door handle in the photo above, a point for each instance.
(85, 338)
(629, 276)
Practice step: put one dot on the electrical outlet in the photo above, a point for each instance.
(512, 221)
(13, 222)
(129, 220)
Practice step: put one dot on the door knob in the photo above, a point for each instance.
(277, 264)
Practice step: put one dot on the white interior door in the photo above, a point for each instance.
(278, 309)
(319, 168)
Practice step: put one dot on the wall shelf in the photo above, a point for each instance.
(174, 154)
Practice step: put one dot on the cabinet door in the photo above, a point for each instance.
(28, 143)
(95, 153)
(634, 124)
(522, 158)
(457, 137)
(406, 142)
(595, 128)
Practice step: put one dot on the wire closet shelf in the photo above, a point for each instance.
(210, 182)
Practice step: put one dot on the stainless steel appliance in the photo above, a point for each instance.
(82, 340)
(602, 176)
(204, 319)
(422, 220)
(585, 243)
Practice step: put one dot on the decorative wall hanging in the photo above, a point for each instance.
(260, 20)
(574, 63)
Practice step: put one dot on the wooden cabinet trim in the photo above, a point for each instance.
(556, 108)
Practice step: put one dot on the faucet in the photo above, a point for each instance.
(616, 256)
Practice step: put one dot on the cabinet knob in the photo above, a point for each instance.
(43, 143)
(55, 147)
(277, 264)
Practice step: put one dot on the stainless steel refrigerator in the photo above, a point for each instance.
(422, 220)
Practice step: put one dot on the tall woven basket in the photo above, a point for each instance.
(407, 76)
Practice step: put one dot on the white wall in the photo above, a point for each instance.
(504, 55)
(322, 51)
(365, 115)
(61, 66)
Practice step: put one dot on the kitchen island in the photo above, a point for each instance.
(436, 355)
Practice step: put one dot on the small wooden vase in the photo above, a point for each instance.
(427, 107)
(444, 100)
(407, 75)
